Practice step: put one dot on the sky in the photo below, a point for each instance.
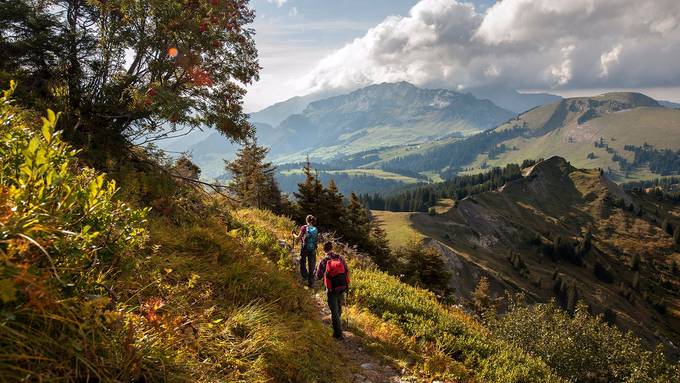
(570, 48)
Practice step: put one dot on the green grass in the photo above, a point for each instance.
(398, 227)
(460, 349)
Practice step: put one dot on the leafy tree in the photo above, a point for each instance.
(253, 178)
(124, 70)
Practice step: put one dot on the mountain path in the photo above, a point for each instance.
(371, 368)
(365, 366)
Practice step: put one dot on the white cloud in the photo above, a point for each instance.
(520, 43)
(610, 58)
(293, 11)
(278, 3)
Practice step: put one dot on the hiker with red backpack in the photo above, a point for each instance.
(335, 274)
(308, 235)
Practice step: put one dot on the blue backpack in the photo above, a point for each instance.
(311, 235)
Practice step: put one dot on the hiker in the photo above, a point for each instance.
(335, 273)
(307, 235)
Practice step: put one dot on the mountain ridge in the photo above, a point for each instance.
(576, 224)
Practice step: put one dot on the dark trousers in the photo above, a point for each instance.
(307, 265)
(335, 301)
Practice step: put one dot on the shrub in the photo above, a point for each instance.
(581, 348)
(64, 238)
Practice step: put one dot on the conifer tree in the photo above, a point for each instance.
(309, 193)
(481, 295)
(253, 178)
(356, 211)
(381, 252)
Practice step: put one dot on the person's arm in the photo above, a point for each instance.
(298, 236)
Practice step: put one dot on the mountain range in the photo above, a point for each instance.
(377, 116)
(627, 134)
(397, 133)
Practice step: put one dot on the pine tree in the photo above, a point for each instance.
(381, 252)
(481, 297)
(331, 212)
(253, 178)
(424, 266)
(356, 212)
(636, 280)
(309, 194)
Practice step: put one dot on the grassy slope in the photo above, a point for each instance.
(397, 226)
(656, 126)
(229, 313)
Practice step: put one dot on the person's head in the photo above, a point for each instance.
(328, 247)
(311, 220)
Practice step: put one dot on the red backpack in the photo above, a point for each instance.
(335, 278)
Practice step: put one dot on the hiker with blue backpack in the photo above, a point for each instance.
(308, 235)
(335, 274)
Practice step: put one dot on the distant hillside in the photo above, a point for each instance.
(383, 115)
(605, 131)
(571, 234)
(670, 104)
(513, 100)
(274, 114)
(374, 117)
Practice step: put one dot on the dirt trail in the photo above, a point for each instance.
(366, 367)
(371, 368)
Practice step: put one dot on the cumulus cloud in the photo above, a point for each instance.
(278, 3)
(610, 58)
(545, 44)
